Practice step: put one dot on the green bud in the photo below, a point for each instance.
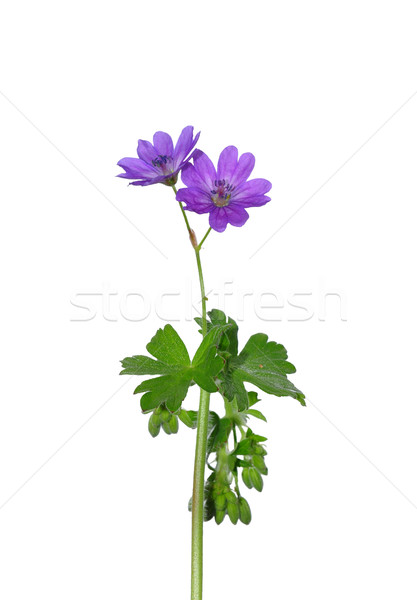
(158, 409)
(220, 502)
(166, 428)
(256, 479)
(260, 450)
(231, 498)
(244, 511)
(185, 418)
(153, 427)
(246, 478)
(220, 515)
(155, 418)
(173, 423)
(233, 512)
(165, 415)
(259, 463)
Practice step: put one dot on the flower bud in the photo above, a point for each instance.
(260, 450)
(231, 498)
(173, 423)
(244, 511)
(185, 418)
(256, 479)
(165, 415)
(259, 463)
(246, 478)
(220, 502)
(166, 428)
(193, 238)
(220, 515)
(154, 425)
(155, 418)
(233, 512)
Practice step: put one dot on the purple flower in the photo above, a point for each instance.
(160, 162)
(224, 193)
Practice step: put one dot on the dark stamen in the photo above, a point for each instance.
(160, 160)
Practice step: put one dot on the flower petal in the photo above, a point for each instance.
(158, 179)
(254, 187)
(236, 215)
(191, 178)
(250, 201)
(227, 163)
(218, 219)
(221, 216)
(244, 169)
(146, 151)
(136, 168)
(195, 199)
(163, 144)
(184, 145)
(204, 168)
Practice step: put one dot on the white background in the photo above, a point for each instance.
(302, 85)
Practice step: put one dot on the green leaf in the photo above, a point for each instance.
(143, 365)
(256, 413)
(263, 364)
(233, 388)
(243, 463)
(212, 338)
(221, 435)
(176, 370)
(167, 346)
(213, 419)
(147, 402)
(258, 438)
(217, 317)
(253, 398)
(213, 427)
(244, 447)
(171, 389)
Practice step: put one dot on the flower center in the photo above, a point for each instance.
(164, 163)
(221, 193)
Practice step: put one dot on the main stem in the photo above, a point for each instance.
(201, 444)
(199, 469)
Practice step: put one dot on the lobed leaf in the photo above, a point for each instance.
(167, 346)
(176, 370)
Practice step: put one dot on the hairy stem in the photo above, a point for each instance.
(199, 467)
(198, 498)
(201, 445)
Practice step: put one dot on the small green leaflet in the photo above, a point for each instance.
(177, 372)
(246, 445)
(255, 413)
(229, 340)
